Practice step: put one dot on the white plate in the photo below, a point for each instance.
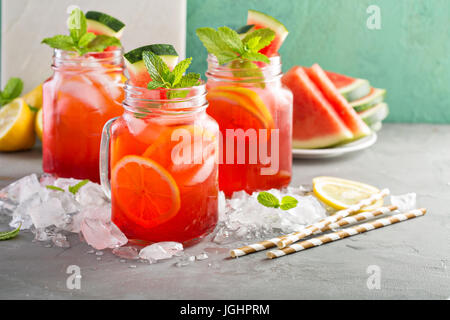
(357, 145)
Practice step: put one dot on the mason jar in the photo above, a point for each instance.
(162, 153)
(254, 112)
(82, 94)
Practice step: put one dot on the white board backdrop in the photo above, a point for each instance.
(26, 22)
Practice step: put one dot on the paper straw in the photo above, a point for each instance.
(319, 226)
(358, 218)
(267, 244)
(348, 232)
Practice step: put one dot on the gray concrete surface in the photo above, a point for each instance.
(413, 257)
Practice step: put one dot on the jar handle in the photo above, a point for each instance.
(104, 157)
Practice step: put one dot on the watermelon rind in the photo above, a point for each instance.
(375, 114)
(245, 30)
(103, 23)
(135, 64)
(374, 97)
(268, 22)
(356, 90)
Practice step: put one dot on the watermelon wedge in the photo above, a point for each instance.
(135, 65)
(262, 20)
(375, 96)
(102, 23)
(351, 88)
(338, 102)
(375, 114)
(315, 123)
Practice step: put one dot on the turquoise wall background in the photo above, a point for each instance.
(409, 55)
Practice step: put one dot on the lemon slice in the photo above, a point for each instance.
(341, 194)
(38, 124)
(34, 97)
(16, 126)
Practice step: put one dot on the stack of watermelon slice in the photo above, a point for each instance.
(367, 101)
(331, 109)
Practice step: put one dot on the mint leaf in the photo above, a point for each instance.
(162, 77)
(74, 189)
(227, 45)
(12, 90)
(231, 38)
(155, 66)
(54, 188)
(265, 36)
(6, 235)
(180, 69)
(77, 24)
(288, 202)
(215, 45)
(268, 200)
(101, 42)
(79, 39)
(189, 80)
(86, 39)
(60, 42)
(152, 85)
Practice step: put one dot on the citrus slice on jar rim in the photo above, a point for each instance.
(146, 193)
(341, 193)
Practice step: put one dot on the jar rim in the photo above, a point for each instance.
(143, 100)
(264, 72)
(61, 57)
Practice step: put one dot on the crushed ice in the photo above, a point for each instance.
(52, 214)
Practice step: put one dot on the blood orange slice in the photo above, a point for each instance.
(146, 192)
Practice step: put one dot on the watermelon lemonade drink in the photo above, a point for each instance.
(85, 91)
(252, 107)
(163, 155)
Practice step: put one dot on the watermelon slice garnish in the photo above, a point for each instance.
(338, 102)
(102, 23)
(315, 122)
(351, 88)
(261, 20)
(137, 71)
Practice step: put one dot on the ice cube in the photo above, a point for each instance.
(91, 194)
(61, 241)
(404, 202)
(23, 189)
(102, 235)
(160, 251)
(130, 253)
(201, 256)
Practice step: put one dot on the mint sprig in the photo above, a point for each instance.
(12, 90)
(6, 235)
(269, 200)
(227, 46)
(79, 39)
(162, 77)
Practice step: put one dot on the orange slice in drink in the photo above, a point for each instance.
(147, 194)
(188, 152)
(238, 107)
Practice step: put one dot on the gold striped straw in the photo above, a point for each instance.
(348, 232)
(358, 218)
(309, 230)
(267, 244)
